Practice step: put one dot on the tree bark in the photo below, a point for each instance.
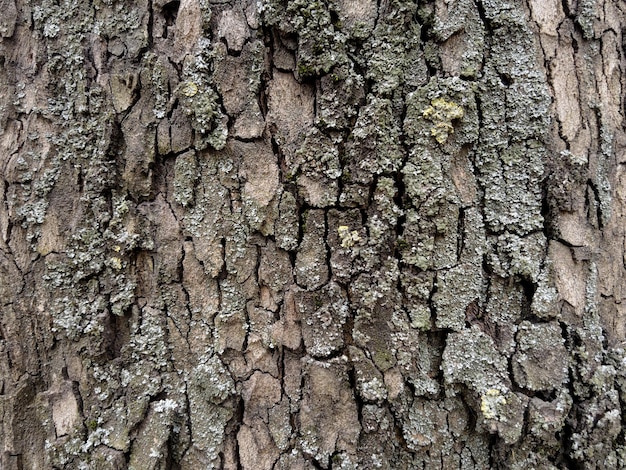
(312, 234)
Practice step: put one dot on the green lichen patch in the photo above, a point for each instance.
(321, 43)
(393, 55)
(440, 108)
(374, 147)
(442, 113)
(348, 238)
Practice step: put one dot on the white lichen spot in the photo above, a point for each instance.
(168, 404)
(50, 30)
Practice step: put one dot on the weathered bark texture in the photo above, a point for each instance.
(312, 234)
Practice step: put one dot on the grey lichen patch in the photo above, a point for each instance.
(470, 358)
(416, 245)
(421, 427)
(148, 346)
(323, 314)
(503, 312)
(417, 291)
(541, 360)
(201, 101)
(328, 418)
(598, 423)
(376, 288)
(512, 180)
(316, 169)
(439, 433)
(311, 261)
(457, 288)
(506, 417)
(126, 25)
(185, 177)
(369, 381)
(510, 157)
(383, 216)
(338, 96)
(155, 81)
(87, 256)
(346, 237)
(125, 231)
(286, 230)
(209, 387)
(430, 233)
(320, 43)
(473, 236)
(518, 256)
(431, 230)
(460, 38)
(545, 299)
(586, 16)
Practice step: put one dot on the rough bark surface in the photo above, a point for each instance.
(312, 234)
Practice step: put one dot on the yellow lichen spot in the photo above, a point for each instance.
(116, 263)
(348, 238)
(490, 401)
(189, 89)
(117, 248)
(442, 113)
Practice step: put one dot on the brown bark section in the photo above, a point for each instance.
(312, 234)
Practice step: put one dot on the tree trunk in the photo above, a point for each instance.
(312, 234)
